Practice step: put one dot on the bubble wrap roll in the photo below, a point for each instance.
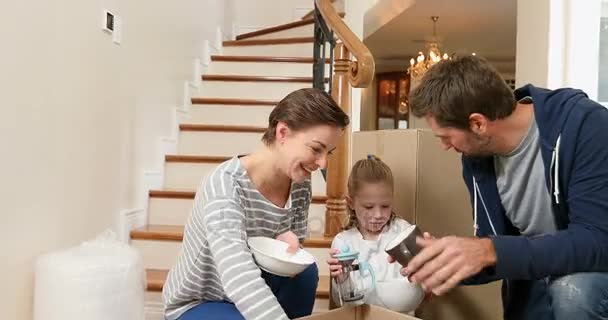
(98, 280)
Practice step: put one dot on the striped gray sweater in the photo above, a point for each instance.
(215, 263)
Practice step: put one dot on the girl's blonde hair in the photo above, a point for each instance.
(370, 170)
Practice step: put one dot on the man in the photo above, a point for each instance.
(536, 165)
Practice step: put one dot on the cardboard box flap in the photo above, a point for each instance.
(363, 312)
(375, 312)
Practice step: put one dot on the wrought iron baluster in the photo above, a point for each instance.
(323, 35)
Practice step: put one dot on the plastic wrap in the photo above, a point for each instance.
(99, 280)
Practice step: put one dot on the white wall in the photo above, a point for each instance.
(355, 11)
(230, 11)
(532, 48)
(81, 118)
(558, 44)
(381, 12)
(582, 45)
(369, 97)
(268, 13)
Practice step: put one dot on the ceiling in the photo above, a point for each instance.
(486, 27)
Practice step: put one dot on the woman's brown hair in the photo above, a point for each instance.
(302, 109)
(369, 170)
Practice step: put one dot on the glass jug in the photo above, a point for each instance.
(349, 287)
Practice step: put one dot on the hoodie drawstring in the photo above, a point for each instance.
(555, 164)
(475, 226)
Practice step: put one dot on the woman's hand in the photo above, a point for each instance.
(335, 268)
(292, 241)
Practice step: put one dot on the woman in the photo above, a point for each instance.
(266, 193)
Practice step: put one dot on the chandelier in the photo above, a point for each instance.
(422, 63)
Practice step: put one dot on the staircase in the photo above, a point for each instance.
(227, 117)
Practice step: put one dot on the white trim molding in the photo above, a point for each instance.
(130, 219)
(217, 47)
(197, 71)
(246, 29)
(189, 90)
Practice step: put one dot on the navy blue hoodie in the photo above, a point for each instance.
(574, 146)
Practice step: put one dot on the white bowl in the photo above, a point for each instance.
(399, 295)
(272, 256)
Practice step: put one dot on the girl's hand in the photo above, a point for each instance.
(292, 241)
(335, 268)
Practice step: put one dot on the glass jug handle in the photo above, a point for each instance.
(363, 267)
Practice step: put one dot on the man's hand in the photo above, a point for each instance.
(292, 241)
(445, 262)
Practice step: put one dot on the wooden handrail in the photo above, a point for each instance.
(362, 70)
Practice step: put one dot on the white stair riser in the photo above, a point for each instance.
(316, 220)
(250, 90)
(163, 254)
(218, 143)
(153, 305)
(301, 31)
(175, 212)
(278, 69)
(228, 115)
(280, 50)
(156, 314)
(167, 211)
(157, 254)
(188, 176)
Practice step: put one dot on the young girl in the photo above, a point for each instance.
(372, 224)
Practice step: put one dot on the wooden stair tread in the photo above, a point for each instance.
(229, 101)
(263, 59)
(277, 28)
(189, 194)
(243, 78)
(195, 159)
(176, 233)
(263, 42)
(323, 286)
(172, 194)
(158, 232)
(220, 128)
(155, 280)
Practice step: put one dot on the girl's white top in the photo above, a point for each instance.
(372, 252)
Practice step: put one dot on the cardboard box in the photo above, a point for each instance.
(430, 192)
(363, 312)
